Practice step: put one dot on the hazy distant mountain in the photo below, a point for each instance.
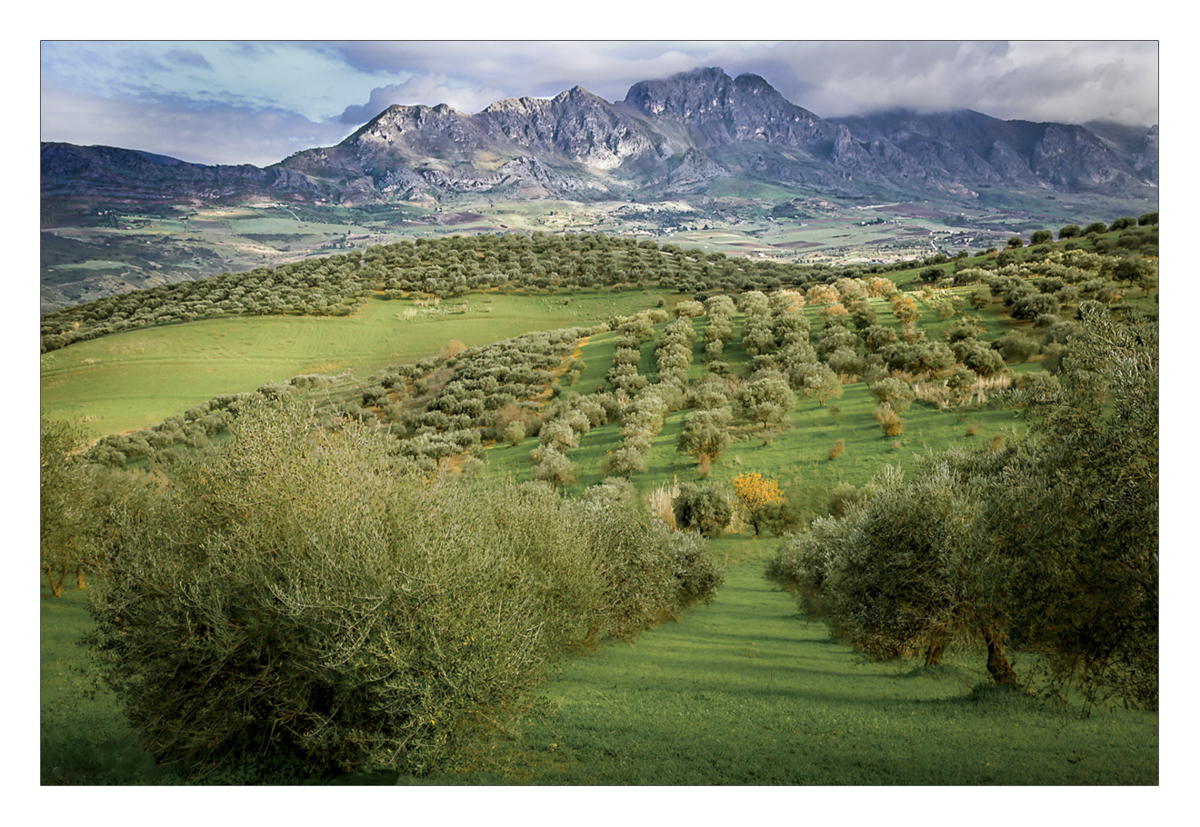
(964, 146)
(111, 172)
(669, 136)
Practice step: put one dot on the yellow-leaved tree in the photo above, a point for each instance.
(756, 495)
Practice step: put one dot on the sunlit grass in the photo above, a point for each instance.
(138, 378)
(745, 691)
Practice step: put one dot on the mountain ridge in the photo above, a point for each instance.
(671, 136)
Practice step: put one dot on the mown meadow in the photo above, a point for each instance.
(137, 378)
(743, 692)
(668, 658)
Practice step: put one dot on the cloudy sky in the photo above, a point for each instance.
(259, 101)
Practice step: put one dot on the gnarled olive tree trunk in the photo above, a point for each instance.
(997, 662)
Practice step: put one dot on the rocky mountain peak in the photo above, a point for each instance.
(685, 95)
(578, 94)
(673, 134)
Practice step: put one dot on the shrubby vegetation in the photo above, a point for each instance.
(291, 628)
(1049, 543)
(372, 615)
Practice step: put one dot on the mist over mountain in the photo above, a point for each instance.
(669, 137)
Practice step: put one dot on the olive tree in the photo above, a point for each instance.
(1048, 544)
(704, 508)
(1076, 525)
(514, 432)
(893, 576)
(552, 465)
(65, 494)
(305, 596)
(766, 400)
(816, 380)
(705, 433)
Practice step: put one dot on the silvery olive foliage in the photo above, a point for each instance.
(305, 591)
(1048, 545)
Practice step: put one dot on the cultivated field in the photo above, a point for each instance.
(744, 690)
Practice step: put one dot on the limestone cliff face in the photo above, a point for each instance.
(723, 111)
(576, 125)
(673, 135)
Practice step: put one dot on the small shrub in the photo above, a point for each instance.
(837, 450)
(895, 393)
(889, 421)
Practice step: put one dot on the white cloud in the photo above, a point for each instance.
(428, 89)
(215, 134)
(214, 100)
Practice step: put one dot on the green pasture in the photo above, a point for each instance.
(138, 378)
(745, 691)
(83, 737)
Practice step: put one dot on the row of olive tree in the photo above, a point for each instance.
(643, 405)
(1049, 544)
(327, 286)
(303, 592)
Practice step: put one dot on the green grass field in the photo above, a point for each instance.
(745, 691)
(742, 692)
(138, 378)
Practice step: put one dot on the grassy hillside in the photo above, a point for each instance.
(743, 691)
(138, 378)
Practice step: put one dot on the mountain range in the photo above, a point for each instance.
(676, 136)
